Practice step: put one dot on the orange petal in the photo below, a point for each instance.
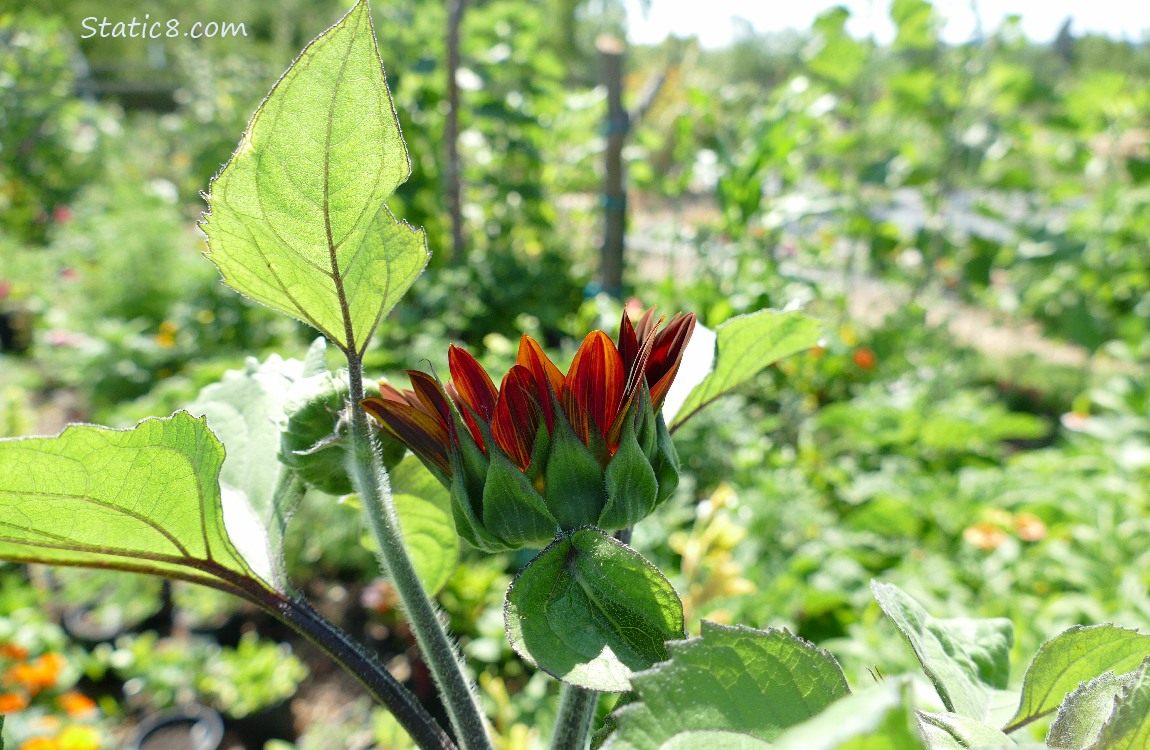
(547, 377)
(594, 383)
(472, 382)
(424, 433)
(517, 416)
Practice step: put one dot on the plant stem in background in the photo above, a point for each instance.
(443, 660)
(452, 168)
(573, 722)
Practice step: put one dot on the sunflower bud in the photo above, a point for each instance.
(547, 453)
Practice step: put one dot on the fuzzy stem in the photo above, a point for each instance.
(573, 723)
(365, 466)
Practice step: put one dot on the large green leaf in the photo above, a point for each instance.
(1084, 712)
(968, 660)
(1077, 655)
(878, 719)
(146, 499)
(297, 218)
(1129, 726)
(729, 684)
(743, 347)
(591, 611)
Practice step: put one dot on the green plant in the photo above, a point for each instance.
(251, 677)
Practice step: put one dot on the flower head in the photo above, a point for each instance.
(547, 451)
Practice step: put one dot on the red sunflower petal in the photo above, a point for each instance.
(517, 416)
(666, 354)
(472, 382)
(420, 431)
(429, 396)
(468, 418)
(594, 384)
(628, 343)
(544, 373)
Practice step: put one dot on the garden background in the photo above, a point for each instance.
(970, 222)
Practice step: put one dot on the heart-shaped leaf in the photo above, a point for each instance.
(590, 611)
(1077, 655)
(728, 686)
(739, 349)
(968, 660)
(146, 499)
(297, 218)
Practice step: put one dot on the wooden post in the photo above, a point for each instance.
(452, 172)
(614, 191)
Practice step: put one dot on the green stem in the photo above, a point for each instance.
(573, 723)
(445, 663)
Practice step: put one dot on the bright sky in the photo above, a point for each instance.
(712, 20)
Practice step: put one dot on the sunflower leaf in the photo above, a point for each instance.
(590, 611)
(147, 500)
(297, 219)
(716, 363)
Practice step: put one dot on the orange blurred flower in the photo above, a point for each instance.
(76, 704)
(1029, 527)
(984, 535)
(78, 737)
(864, 358)
(10, 703)
(12, 651)
(40, 743)
(42, 672)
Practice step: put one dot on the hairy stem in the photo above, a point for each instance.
(573, 724)
(443, 660)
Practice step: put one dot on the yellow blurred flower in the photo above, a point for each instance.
(78, 737)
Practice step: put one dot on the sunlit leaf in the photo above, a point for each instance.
(968, 660)
(878, 719)
(1077, 655)
(297, 218)
(730, 685)
(745, 346)
(591, 611)
(947, 731)
(146, 499)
